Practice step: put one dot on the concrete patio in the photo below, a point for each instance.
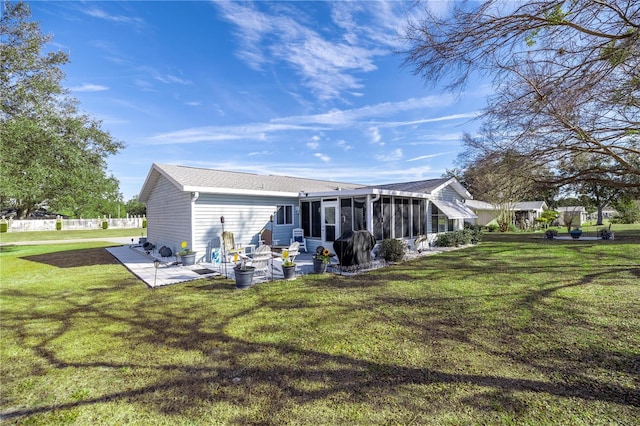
(169, 271)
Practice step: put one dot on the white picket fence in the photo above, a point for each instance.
(73, 224)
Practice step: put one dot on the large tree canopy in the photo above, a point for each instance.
(566, 74)
(49, 152)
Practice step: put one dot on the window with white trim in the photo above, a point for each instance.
(284, 215)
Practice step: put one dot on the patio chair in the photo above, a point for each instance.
(294, 250)
(262, 259)
(227, 241)
(298, 237)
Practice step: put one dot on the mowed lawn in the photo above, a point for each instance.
(517, 330)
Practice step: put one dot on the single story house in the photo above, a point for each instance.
(577, 213)
(524, 212)
(188, 204)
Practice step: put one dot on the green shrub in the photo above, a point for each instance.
(492, 227)
(475, 231)
(445, 240)
(58, 225)
(392, 250)
(105, 224)
(4, 226)
(144, 223)
(472, 234)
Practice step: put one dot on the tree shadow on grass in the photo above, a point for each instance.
(75, 258)
(246, 368)
(278, 384)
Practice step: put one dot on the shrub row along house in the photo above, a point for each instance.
(187, 204)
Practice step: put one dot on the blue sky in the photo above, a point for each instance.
(308, 89)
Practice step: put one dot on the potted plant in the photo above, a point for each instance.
(320, 260)
(575, 233)
(187, 256)
(288, 266)
(242, 272)
(605, 234)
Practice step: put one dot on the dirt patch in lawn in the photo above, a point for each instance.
(75, 258)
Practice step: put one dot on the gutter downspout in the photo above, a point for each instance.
(194, 198)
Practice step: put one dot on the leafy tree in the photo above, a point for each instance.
(628, 210)
(548, 217)
(135, 207)
(49, 152)
(594, 195)
(565, 74)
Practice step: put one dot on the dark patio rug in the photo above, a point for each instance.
(204, 271)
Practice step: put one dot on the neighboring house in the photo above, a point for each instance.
(608, 212)
(525, 212)
(187, 203)
(578, 211)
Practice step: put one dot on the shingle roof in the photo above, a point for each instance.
(530, 205)
(221, 181)
(522, 205)
(425, 186)
(210, 178)
(480, 205)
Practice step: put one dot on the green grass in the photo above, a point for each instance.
(13, 237)
(517, 330)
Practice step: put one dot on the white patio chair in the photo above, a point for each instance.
(262, 259)
(294, 250)
(298, 237)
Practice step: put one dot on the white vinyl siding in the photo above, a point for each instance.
(168, 216)
(245, 216)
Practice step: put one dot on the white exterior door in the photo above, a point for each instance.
(330, 223)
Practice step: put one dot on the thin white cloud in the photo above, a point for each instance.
(426, 157)
(368, 119)
(327, 61)
(468, 115)
(394, 155)
(344, 145)
(375, 137)
(89, 87)
(322, 157)
(216, 134)
(171, 79)
(259, 153)
(95, 12)
(382, 110)
(313, 145)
